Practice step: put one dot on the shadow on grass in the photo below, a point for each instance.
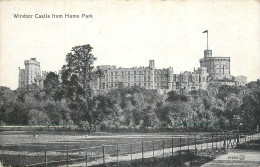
(182, 158)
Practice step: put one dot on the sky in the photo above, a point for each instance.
(130, 33)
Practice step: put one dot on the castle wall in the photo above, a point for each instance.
(147, 77)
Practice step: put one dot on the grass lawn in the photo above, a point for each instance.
(30, 146)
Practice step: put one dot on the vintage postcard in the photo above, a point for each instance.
(130, 83)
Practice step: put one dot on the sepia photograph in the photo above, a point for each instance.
(129, 83)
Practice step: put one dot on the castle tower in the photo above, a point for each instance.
(151, 64)
(207, 53)
(31, 71)
(152, 67)
(217, 67)
(170, 78)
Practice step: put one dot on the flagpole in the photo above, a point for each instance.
(207, 41)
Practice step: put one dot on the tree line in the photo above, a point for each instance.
(70, 100)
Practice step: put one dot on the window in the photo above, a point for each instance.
(148, 84)
(144, 78)
(144, 84)
(140, 84)
(134, 72)
(111, 73)
(140, 72)
(128, 84)
(128, 72)
(148, 78)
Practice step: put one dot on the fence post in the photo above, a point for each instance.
(67, 157)
(172, 146)
(180, 144)
(153, 150)
(117, 154)
(103, 150)
(195, 143)
(131, 152)
(212, 140)
(224, 143)
(201, 142)
(45, 158)
(142, 150)
(19, 159)
(163, 148)
(188, 143)
(86, 157)
(216, 141)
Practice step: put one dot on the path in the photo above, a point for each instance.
(236, 157)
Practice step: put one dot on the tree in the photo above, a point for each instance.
(36, 117)
(52, 86)
(77, 77)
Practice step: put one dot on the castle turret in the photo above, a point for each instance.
(207, 53)
(151, 64)
(170, 77)
(152, 67)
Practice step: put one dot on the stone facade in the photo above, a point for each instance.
(212, 70)
(147, 77)
(151, 78)
(31, 74)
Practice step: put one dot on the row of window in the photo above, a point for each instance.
(129, 84)
(136, 72)
(140, 77)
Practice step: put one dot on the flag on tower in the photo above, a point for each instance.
(205, 31)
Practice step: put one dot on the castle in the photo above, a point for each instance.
(32, 73)
(212, 70)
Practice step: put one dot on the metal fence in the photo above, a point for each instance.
(139, 150)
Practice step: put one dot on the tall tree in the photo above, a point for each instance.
(78, 76)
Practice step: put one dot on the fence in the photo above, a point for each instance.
(139, 150)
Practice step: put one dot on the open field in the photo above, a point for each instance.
(21, 148)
